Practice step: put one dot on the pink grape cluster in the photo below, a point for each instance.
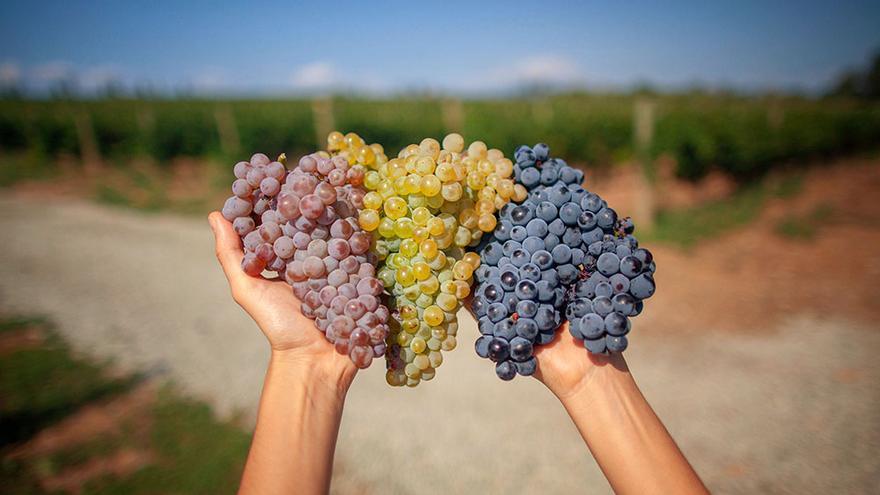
(303, 225)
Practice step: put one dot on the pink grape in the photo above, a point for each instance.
(255, 176)
(355, 309)
(270, 231)
(328, 293)
(359, 242)
(252, 265)
(338, 248)
(337, 277)
(259, 160)
(326, 192)
(241, 169)
(308, 164)
(276, 170)
(270, 186)
(265, 252)
(361, 356)
(341, 229)
(277, 265)
(350, 265)
(288, 205)
(304, 226)
(242, 189)
(252, 240)
(313, 267)
(330, 263)
(301, 240)
(311, 206)
(284, 247)
(359, 336)
(295, 271)
(369, 302)
(243, 226)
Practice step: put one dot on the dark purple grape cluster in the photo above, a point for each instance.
(562, 254)
(303, 225)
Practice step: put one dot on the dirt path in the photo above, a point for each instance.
(793, 407)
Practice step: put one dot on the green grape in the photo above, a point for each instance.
(428, 205)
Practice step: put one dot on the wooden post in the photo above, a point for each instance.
(322, 115)
(542, 110)
(88, 144)
(775, 113)
(643, 127)
(227, 130)
(452, 111)
(146, 120)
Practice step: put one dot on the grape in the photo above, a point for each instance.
(559, 253)
(499, 349)
(615, 343)
(642, 287)
(506, 370)
(527, 367)
(596, 346)
(301, 225)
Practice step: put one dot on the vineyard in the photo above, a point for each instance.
(742, 136)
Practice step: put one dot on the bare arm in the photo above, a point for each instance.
(305, 386)
(630, 444)
(293, 445)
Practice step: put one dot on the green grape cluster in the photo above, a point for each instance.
(428, 205)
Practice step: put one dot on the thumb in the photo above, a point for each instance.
(227, 248)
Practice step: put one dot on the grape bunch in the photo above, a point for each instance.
(303, 226)
(427, 206)
(560, 254)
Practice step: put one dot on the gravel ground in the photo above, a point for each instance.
(790, 409)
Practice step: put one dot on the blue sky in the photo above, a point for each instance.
(452, 46)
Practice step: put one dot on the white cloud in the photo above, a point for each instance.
(211, 79)
(316, 75)
(10, 74)
(535, 70)
(547, 69)
(52, 72)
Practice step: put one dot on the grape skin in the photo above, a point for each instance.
(426, 208)
(300, 225)
(562, 253)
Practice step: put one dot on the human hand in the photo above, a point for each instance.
(272, 305)
(564, 365)
(567, 368)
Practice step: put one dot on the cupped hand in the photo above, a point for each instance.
(566, 367)
(272, 305)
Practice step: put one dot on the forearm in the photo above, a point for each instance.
(297, 424)
(630, 444)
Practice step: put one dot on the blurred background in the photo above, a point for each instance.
(742, 138)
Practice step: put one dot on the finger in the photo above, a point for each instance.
(227, 248)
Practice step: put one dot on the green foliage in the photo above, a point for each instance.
(41, 383)
(687, 226)
(804, 227)
(744, 137)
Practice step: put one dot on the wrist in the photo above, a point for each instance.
(596, 373)
(321, 374)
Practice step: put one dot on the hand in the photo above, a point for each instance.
(271, 303)
(566, 367)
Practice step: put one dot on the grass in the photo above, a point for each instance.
(41, 385)
(191, 451)
(804, 227)
(687, 226)
(23, 166)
